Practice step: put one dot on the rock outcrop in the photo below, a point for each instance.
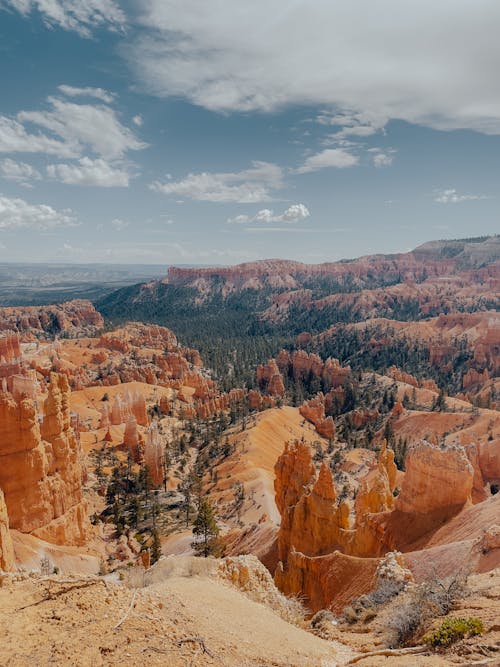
(311, 517)
(41, 466)
(436, 479)
(73, 318)
(6, 549)
(314, 412)
(269, 379)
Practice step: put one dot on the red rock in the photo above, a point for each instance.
(6, 548)
(76, 318)
(41, 471)
(436, 479)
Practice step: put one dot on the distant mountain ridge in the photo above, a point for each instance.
(441, 256)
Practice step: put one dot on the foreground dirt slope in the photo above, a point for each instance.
(181, 621)
(187, 616)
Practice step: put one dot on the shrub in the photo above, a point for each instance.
(454, 629)
(407, 620)
(432, 598)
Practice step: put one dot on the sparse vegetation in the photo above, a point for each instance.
(433, 598)
(452, 630)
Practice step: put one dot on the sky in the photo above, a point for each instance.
(223, 131)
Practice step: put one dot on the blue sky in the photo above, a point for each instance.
(182, 131)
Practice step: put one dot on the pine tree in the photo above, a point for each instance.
(206, 531)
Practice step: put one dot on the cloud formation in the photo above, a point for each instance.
(294, 213)
(393, 59)
(90, 172)
(330, 157)
(98, 93)
(249, 186)
(82, 16)
(19, 214)
(19, 172)
(451, 196)
(67, 130)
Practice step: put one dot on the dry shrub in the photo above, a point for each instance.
(432, 598)
(365, 608)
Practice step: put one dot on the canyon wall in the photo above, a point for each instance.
(72, 318)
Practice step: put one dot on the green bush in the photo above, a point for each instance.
(454, 629)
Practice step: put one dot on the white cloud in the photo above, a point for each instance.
(330, 157)
(14, 138)
(393, 59)
(85, 125)
(19, 214)
(98, 93)
(451, 196)
(245, 187)
(72, 129)
(21, 172)
(119, 224)
(382, 158)
(294, 213)
(90, 172)
(138, 120)
(79, 15)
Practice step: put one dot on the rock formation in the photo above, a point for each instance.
(436, 479)
(269, 379)
(6, 549)
(314, 412)
(41, 466)
(375, 492)
(154, 454)
(132, 439)
(73, 318)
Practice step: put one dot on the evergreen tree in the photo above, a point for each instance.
(206, 531)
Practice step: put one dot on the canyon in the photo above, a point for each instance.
(360, 449)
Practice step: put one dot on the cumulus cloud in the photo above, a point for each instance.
(245, 187)
(98, 93)
(19, 214)
(137, 120)
(82, 16)
(392, 59)
(20, 172)
(90, 172)
(330, 157)
(451, 196)
(294, 213)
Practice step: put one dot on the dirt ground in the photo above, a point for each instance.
(193, 619)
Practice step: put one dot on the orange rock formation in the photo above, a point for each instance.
(41, 466)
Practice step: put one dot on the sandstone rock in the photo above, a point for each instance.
(375, 489)
(154, 454)
(314, 411)
(489, 460)
(74, 318)
(269, 379)
(436, 479)
(392, 568)
(132, 439)
(311, 520)
(6, 548)
(491, 539)
(41, 465)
